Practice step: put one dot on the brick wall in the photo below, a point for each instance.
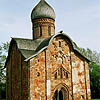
(59, 68)
(17, 76)
(37, 77)
(43, 28)
(14, 75)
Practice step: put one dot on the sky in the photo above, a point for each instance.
(80, 19)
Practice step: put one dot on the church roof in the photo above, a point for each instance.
(46, 42)
(30, 48)
(42, 10)
(27, 44)
(26, 47)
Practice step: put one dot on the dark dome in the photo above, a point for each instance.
(42, 10)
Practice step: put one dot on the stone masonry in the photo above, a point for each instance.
(58, 67)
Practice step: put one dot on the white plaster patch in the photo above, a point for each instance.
(68, 53)
(72, 52)
(82, 79)
(48, 87)
(81, 66)
(75, 75)
(40, 98)
(75, 89)
(73, 64)
(88, 90)
(79, 90)
(50, 66)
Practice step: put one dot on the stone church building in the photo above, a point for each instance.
(47, 67)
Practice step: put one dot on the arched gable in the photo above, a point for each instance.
(46, 43)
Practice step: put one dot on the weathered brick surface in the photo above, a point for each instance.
(87, 81)
(13, 75)
(56, 68)
(58, 61)
(37, 77)
(8, 80)
(59, 68)
(24, 79)
(43, 28)
(78, 77)
(17, 77)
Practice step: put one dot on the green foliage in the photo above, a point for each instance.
(95, 80)
(2, 91)
(94, 71)
(92, 55)
(3, 54)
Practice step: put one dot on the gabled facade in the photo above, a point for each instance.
(47, 67)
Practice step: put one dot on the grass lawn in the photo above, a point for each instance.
(95, 99)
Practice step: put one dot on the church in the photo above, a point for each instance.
(47, 67)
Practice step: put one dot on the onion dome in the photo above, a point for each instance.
(42, 10)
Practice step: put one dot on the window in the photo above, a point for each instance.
(61, 74)
(55, 45)
(59, 43)
(66, 75)
(56, 75)
(40, 30)
(49, 30)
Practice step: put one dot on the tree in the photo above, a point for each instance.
(95, 80)
(94, 71)
(3, 54)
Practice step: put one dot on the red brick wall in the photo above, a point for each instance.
(43, 28)
(8, 80)
(37, 77)
(24, 79)
(56, 68)
(48, 72)
(13, 75)
(58, 56)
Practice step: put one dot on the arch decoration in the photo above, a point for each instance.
(61, 92)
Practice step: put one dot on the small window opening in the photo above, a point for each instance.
(66, 75)
(56, 75)
(38, 74)
(49, 30)
(54, 45)
(59, 44)
(64, 72)
(61, 73)
(40, 30)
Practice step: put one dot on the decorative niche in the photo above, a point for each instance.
(60, 73)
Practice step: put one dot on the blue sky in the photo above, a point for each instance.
(80, 19)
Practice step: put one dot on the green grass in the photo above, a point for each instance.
(95, 99)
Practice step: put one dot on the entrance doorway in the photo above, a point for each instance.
(60, 94)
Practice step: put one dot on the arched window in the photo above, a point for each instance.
(66, 75)
(49, 30)
(61, 76)
(40, 30)
(56, 75)
(59, 43)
